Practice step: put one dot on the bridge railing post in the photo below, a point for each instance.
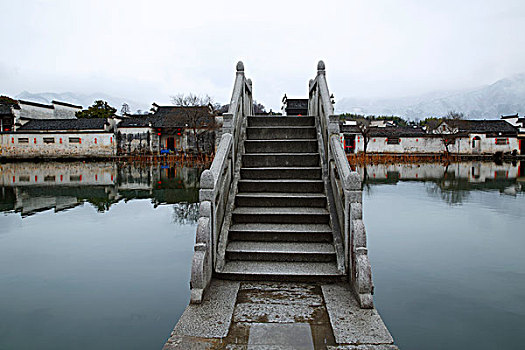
(344, 188)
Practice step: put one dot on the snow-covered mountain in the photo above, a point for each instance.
(506, 96)
(82, 99)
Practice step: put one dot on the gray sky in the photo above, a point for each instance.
(149, 50)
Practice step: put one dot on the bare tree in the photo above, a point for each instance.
(258, 108)
(447, 129)
(453, 115)
(125, 109)
(194, 116)
(364, 126)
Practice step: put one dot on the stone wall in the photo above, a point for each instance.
(57, 145)
(65, 112)
(36, 112)
(137, 140)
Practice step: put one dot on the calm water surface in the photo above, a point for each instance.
(98, 255)
(447, 253)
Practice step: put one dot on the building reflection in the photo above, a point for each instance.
(452, 182)
(29, 188)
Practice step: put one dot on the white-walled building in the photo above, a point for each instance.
(61, 138)
(465, 137)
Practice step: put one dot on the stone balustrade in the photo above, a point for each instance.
(346, 194)
(218, 185)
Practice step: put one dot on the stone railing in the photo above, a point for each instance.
(216, 184)
(345, 190)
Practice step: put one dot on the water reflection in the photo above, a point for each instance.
(29, 188)
(453, 182)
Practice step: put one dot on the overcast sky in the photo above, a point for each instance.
(149, 50)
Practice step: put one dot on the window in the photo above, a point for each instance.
(74, 140)
(75, 178)
(501, 141)
(23, 140)
(393, 141)
(23, 178)
(49, 178)
(500, 174)
(49, 140)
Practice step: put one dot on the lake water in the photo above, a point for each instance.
(98, 255)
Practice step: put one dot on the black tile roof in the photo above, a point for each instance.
(142, 121)
(509, 116)
(64, 124)
(5, 110)
(65, 104)
(351, 129)
(296, 103)
(389, 131)
(36, 104)
(396, 131)
(482, 126)
(178, 117)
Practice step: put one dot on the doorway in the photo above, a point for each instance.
(476, 144)
(170, 143)
(349, 143)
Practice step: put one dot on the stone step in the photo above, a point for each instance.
(281, 271)
(280, 199)
(280, 132)
(281, 146)
(279, 251)
(280, 215)
(275, 173)
(282, 186)
(281, 232)
(281, 121)
(258, 160)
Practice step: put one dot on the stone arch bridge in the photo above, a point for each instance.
(280, 236)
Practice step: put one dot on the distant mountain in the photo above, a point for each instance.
(82, 99)
(506, 96)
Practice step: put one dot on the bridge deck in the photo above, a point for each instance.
(279, 315)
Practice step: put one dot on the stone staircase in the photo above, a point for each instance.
(280, 228)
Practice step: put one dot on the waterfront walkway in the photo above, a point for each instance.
(278, 315)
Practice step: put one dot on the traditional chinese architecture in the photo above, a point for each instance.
(60, 138)
(464, 137)
(295, 106)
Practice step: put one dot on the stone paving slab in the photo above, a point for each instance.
(351, 324)
(279, 316)
(212, 318)
(279, 303)
(297, 335)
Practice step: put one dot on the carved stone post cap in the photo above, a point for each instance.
(321, 66)
(240, 66)
(354, 181)
(207, 180)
